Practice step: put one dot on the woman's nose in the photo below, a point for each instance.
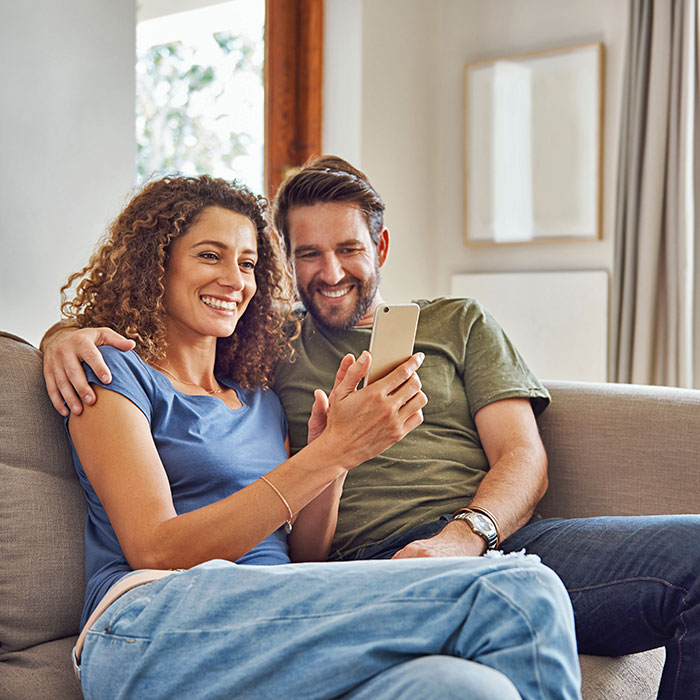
(232, 277)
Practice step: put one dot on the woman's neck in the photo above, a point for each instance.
(191, 363)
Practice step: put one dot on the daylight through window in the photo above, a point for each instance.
(199, 93)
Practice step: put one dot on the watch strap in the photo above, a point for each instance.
(478, 509)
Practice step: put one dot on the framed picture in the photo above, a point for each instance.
(533, 147)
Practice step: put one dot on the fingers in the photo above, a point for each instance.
(86, 352)
(63, 370)
(354, 373)
(72, 383)
(345, 364)
(61, 390)
(401, 374)
(54, 393)
(109, 337)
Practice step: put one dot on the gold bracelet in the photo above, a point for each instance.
(288, 522)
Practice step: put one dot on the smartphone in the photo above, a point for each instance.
(393, 335)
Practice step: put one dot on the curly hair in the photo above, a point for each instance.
(122, 285)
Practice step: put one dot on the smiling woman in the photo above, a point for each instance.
(134, 304)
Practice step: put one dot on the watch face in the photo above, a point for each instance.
(483, 523)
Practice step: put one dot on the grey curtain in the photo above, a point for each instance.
(653, 329)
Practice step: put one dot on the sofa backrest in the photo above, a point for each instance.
(621, 449)
(42, 510)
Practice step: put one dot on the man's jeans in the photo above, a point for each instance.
(478, 628)
(634, 583)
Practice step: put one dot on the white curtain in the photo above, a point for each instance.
(655, 331)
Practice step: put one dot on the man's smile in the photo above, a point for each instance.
(335, 292)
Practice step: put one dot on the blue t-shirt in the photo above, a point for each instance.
(208, 450)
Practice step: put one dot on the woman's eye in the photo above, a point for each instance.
(209, 256)
(248, 265)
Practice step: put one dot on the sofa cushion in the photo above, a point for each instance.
(631, 677)
(42, 510)
(43, 671)
(621, 449)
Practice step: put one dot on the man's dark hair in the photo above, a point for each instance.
(328, 179)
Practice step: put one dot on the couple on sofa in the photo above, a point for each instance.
(182, 455)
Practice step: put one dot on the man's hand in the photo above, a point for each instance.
(64, 376)
(456, 539)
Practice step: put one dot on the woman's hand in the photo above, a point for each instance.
(319, 410)
(359, 424)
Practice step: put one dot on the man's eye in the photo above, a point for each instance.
(349, 251)
(306, 256)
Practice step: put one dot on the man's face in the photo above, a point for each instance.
(336, 263)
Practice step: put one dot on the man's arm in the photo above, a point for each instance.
(514, 484)
(65, 348)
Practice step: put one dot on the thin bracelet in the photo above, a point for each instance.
(288, 522)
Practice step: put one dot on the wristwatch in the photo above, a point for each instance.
(481, 524)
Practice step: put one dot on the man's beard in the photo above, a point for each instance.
(336, 319)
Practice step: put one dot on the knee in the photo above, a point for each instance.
(449, 677)
(533, 589)
(534, 580)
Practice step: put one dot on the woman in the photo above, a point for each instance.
(184, 468)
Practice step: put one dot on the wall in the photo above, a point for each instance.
(67, 144)
(472, 29)
(411, 123)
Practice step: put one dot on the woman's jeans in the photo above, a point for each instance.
(489, 627)
(634, 583)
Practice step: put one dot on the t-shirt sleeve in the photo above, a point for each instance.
(493, 367)
(130, 378)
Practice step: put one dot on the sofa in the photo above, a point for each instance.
(613, 449)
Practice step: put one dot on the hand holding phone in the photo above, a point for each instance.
(393, 335)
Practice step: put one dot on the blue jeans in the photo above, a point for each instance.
(634, 583)
(496, 627)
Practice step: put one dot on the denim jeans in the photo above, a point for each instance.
(634, 584)
(490, 627)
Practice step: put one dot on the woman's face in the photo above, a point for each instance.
(210, 277)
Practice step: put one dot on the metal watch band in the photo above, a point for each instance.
(492, 539)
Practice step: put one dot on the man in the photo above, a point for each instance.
(470, 476)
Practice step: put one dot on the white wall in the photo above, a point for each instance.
(67, 143)
(413, 57)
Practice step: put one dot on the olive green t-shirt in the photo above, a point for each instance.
(469, 363)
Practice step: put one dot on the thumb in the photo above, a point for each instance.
(320, 407)
(109, 337)
(353, 375)
(319, 415)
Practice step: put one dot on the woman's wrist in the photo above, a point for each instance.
(325, 455)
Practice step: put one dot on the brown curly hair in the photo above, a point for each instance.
(122, 285)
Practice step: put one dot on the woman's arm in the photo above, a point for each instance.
(117, 452)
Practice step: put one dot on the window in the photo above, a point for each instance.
(199, 92)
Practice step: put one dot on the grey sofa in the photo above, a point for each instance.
(613, 449)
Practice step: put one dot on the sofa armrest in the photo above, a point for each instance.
(621, 449)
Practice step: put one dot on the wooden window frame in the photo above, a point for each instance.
(293, 86)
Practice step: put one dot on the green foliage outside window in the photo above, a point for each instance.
(183, 122)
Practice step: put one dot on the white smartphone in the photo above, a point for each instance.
(393, 335)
